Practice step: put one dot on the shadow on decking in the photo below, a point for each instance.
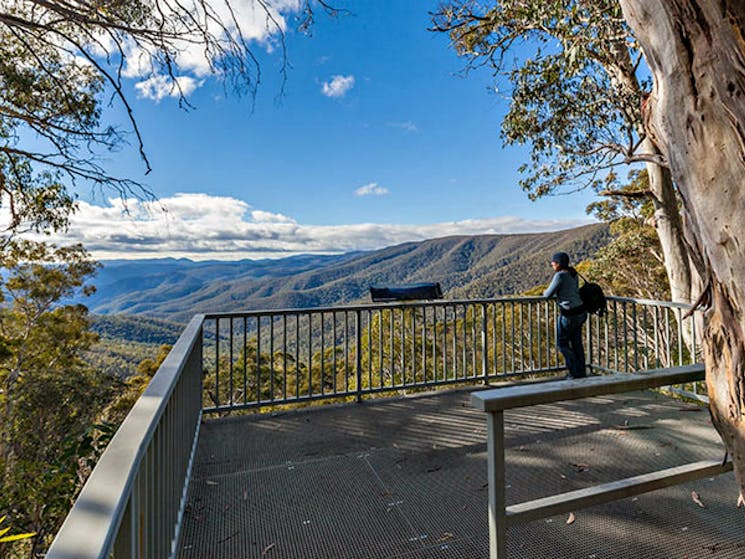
(406, 478)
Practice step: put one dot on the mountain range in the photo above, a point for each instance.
(465, 266)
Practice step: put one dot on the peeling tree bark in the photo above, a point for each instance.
(696, 51)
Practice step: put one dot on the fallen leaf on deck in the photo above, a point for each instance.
(697, 499)
(268, 548)
(580, 467)
(571, 518)
(210, 482)
(627, 427)
(445, 537)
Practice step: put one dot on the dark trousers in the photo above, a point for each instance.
(569, 340)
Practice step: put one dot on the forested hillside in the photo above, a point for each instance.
(467, 266)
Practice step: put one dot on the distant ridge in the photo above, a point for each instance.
(465, 266)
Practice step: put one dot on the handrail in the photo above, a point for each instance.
(509, 397)
(428, 303)
(495, 401)
(91, 528)
(263, 358)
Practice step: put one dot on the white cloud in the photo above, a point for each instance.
(158, 87)
(201, 226)
(238, 21)
(372, 189)
(407, 126)
(338, 86)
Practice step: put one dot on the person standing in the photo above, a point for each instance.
(564, 287)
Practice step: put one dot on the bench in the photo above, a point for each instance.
(495, 401)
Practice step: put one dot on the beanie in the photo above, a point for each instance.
(561, 258)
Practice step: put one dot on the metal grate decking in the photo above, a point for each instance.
(406, 478)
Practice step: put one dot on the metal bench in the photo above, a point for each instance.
(495, 401)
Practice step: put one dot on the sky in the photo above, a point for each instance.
(376, 138)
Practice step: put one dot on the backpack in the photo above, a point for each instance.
(593, 298)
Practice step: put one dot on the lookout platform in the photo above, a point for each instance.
(407, 478)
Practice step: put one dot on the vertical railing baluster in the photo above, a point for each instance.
(413, 345)
(615, 336)
(258, 360)
(310, 354)
(668, 339)
(391, 346)
(512, 341)
(495, 370)
(464, 331)
(680, 335)
(346, 352)
(230, 368)
(358, 350)
(504, 337)
(645, 327)
(284, 356)
(333, 349)
(656, 338)
(380, 346)
(636, 337)
(245, 359)
(588, 343)
(369, 329)
(484, 356)
(473, 344)
(424, 344)
(297, 355)
(548, 334)
(323, 354)
(402, 314)
(217, 362)
(625, 338)
(434, 343)
(531, 349)
(272, 378)
(445, 342)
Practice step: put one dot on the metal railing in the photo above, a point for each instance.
(640, 334)
(495, 402)
(270, 358)
(256, 359)
(132, 504)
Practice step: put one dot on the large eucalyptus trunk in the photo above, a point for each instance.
(669, 227)
(668, 224)
(696, 52)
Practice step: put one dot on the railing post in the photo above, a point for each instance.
(496, 479)
(358, 357)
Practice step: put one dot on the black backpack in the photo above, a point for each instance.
(593, 298)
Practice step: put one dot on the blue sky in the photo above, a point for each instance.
(377, 139)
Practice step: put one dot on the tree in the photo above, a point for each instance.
(632, 264)
(58, 59)
(130, 389)
(576, 98)
(50, 398)
(696, 112)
